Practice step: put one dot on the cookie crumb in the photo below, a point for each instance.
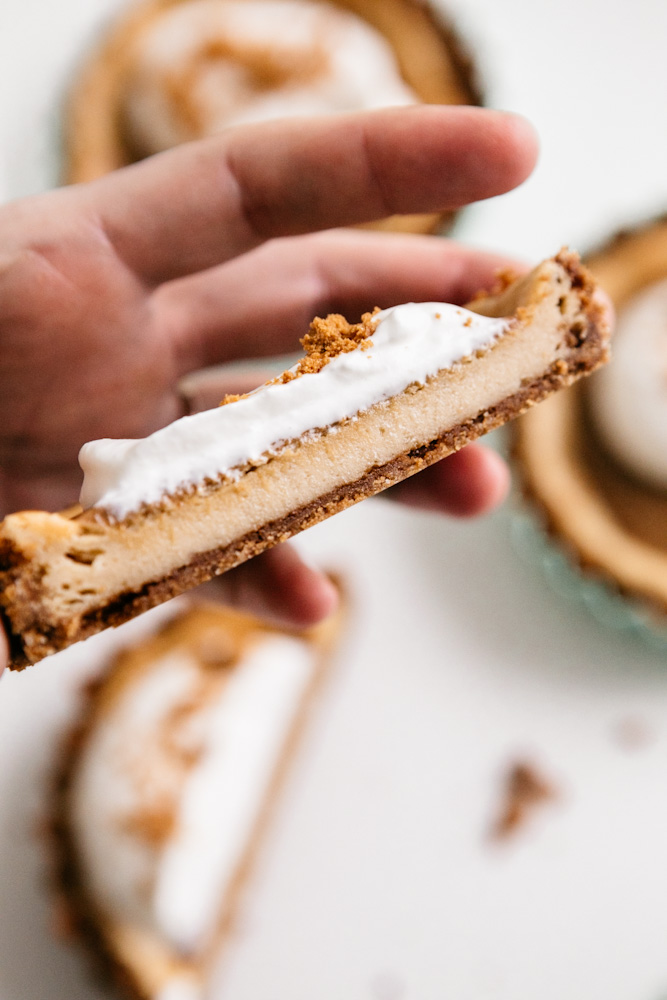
(524, 790)
(329, 337)
(326, 339)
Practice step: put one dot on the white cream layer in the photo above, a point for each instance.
(176, 890)
(329, 60)
(411, 342)
(629, 396)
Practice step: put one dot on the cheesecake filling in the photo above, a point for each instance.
(409, 344)
(210, 64)
(172, 784)
(628, 398)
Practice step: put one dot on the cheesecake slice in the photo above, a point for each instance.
(165, 787)
(370, 404)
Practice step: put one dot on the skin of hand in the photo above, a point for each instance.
(112, 292)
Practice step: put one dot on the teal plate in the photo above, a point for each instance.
(534, 546)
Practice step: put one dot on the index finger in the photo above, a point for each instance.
(206, 202)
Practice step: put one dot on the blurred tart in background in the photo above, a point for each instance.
(594, 458)
(169, 71)
(164, 791)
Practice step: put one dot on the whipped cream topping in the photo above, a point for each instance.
(206, 769)
(247, 730)
(629, 396)
(410, 343)
(209, 64)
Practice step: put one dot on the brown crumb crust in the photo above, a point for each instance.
(75, 917)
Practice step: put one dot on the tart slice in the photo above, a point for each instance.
(170, 71)
(370, 404)
(165, 789)
(594, 459)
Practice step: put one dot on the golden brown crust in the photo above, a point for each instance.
(327, 337)
(75, 912)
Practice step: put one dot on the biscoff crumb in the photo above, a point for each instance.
(232, 397)
(525, 789)
(262, 69)
(329, 337)
(326, 339)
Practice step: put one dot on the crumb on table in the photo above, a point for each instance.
(524, 789)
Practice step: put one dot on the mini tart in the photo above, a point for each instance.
(431, 59)
(612, 524)
(64, 578)
(123, 830)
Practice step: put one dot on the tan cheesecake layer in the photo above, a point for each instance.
(611, 521)
(206, 646)
(431, 60)
(62, 579)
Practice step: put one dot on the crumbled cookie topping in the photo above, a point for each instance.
(326, 339)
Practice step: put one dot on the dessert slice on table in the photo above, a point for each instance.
(595, 459)
(169, 71)
(370, 404)
(165, 787)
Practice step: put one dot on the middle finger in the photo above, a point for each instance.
(262, 303)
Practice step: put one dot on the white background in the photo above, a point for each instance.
(379, 881)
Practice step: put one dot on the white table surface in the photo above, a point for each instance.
(379, 881)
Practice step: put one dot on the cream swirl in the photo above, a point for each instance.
(208, 64)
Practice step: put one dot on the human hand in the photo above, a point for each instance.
(111, 292)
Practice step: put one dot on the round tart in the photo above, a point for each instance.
(165, 787)
(594, 458)
(170, 71)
